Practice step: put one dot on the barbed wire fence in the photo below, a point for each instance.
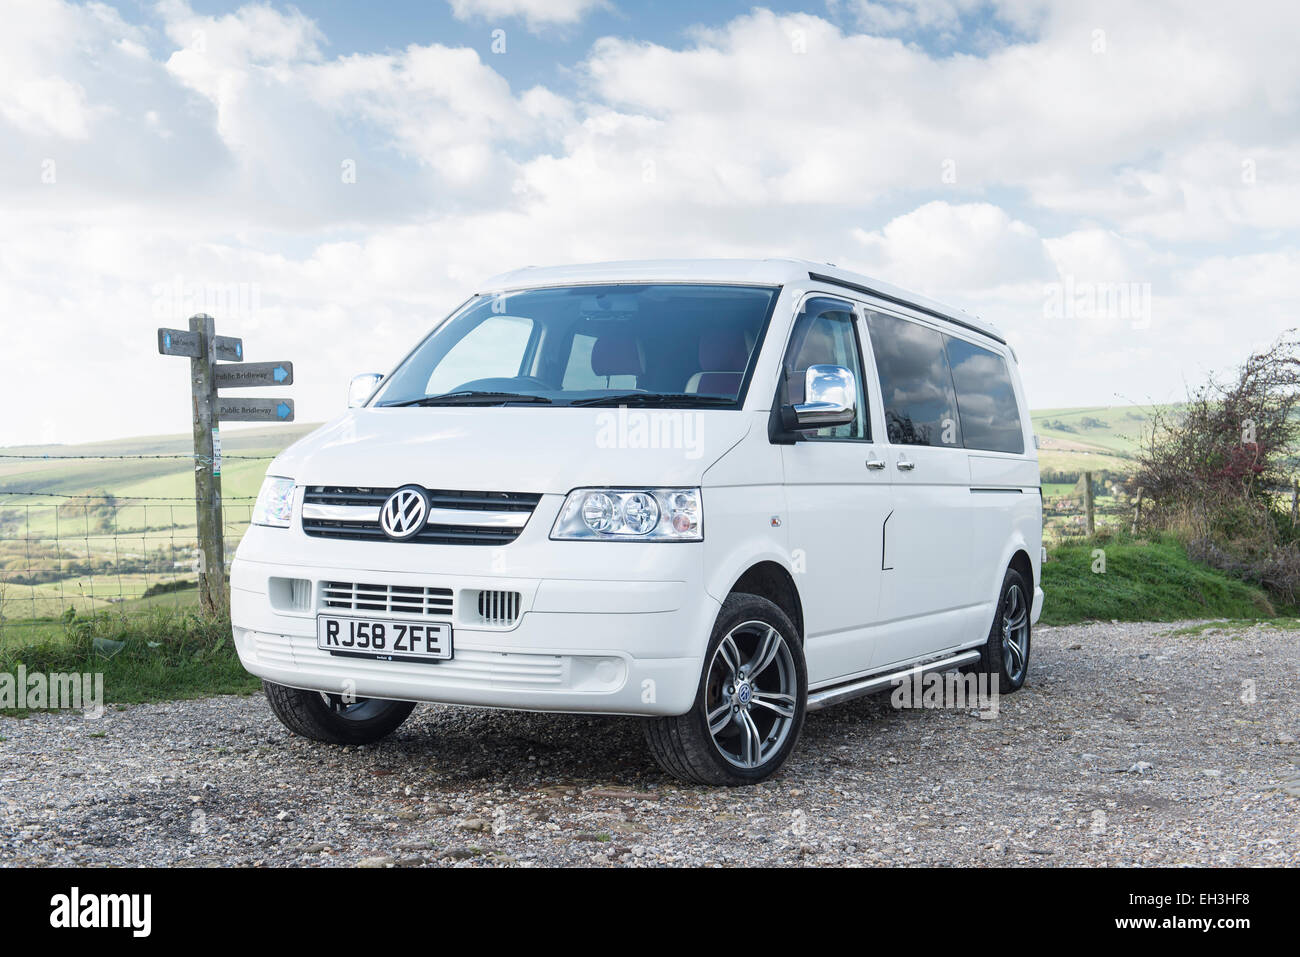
(1065, 516)
(91, 552)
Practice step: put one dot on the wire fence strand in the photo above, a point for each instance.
(88, 556)
(83, 552)
(29, 457)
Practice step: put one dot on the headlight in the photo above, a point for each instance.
(274, 503)
(638, 514)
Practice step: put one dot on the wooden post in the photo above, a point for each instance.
(203, 347)
(1295, 501)
(1087, 504)
(1137, 511)
(207, 471)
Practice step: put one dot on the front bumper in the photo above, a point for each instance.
(578, 645)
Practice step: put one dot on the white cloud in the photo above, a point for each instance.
(828, 115)
(1209, 191)
(39, 36)
(945, 249)
(210, 148)
(535, 13)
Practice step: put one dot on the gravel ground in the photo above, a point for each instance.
(1130, 745)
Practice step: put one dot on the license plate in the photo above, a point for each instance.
(384, 640)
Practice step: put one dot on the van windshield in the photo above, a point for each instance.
(680, 345)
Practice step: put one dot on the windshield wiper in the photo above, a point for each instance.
(656, 398)
(470, 397)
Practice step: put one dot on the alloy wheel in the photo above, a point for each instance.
(1015, 633)
(750, 696)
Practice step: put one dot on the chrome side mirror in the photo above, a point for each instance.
(830, 398)
(362, 388)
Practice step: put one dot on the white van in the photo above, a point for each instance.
(714, 493)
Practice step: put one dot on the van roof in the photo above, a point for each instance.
(759, 271)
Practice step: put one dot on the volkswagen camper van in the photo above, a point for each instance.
(715, 494)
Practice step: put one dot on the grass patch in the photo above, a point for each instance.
(155, 655)
(167, 600)
(1143, 581)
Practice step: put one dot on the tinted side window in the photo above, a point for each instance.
(827, 335)
(990, 417)
(920, 407)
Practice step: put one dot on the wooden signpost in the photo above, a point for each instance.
(206, 350)
(1088, 510)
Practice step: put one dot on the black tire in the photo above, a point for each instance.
(685, 747)
(331, 719)
(997, 657)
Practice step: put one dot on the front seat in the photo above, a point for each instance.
(617, 352)
(723, 356)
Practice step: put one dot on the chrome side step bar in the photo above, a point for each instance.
(825, 697)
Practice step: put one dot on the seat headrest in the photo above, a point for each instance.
(616, 353)
(716, 383)
(723, 350)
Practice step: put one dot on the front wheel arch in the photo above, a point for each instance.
(774, 582)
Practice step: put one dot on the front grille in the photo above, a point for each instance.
(455, 517)
(390, 599)
(500, 608)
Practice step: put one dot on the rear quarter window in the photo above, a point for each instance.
(986, 399)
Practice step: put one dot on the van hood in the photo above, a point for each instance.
(513, 449)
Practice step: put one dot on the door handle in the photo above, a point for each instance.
(876, 464)
(905, 466)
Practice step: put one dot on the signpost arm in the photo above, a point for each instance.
(207, 479)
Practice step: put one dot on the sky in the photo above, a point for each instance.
(1116, 185)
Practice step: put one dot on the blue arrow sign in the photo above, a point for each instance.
(244, 375)
(179, 342)
(230, 409)
(228, 348)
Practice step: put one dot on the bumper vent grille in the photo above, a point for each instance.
(500, 608)
(389, 599)
(455, 517)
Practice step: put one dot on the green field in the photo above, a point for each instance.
(151, 477)
(1091, 438)
(1115, 429)
(92, 533)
